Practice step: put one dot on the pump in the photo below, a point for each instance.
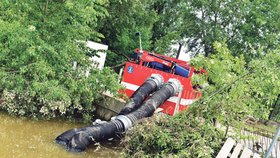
(145, 63)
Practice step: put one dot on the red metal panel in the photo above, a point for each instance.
(168, 107)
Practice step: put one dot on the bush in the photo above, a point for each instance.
(184, 135)
(38, 45)
(235, 89)
(73, 96)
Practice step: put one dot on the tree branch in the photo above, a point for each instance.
(46, 7)
(119, 65)
(127, 58)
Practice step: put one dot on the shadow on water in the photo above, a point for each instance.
(25, 138)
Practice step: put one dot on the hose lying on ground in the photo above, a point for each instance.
(79, 139)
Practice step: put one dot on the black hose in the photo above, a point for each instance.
(64, 138)
(149, 106)
(148, 87)
(81, 140)
(78, 140)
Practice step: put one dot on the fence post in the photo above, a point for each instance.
(274, 140)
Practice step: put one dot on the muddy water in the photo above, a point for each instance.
(25, 138)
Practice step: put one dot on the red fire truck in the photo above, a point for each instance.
(145, 63)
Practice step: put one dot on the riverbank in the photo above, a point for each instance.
(25, 138)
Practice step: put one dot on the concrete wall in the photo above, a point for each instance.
(109, 107)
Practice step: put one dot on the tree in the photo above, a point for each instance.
(237, 89)
(119, 28)
(165, 29)
(244, 25)
(39, 42)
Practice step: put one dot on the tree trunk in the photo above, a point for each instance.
(207, 49)
(274, 110)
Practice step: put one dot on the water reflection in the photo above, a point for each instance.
(25, 138)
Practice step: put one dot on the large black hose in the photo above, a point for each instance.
(78, 140)
(64, 138)
(149, 86)
(148, 107)
(81, 140)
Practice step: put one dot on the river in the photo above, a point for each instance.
(26, 138)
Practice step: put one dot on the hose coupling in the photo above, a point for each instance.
(176, 84)
(125, 120)
(157, 78)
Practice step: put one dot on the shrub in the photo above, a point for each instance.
(38, 45)
(184, 135)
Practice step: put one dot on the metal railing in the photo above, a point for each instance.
(259, 140)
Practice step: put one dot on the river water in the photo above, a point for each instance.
(25, 138)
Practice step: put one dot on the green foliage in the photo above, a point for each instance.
(196, 24)
(236, 89)
(184, 135)
(119, 28)
(39, 42)
(166, 29)
(265, 83)
(275, 113)
(245, 27)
